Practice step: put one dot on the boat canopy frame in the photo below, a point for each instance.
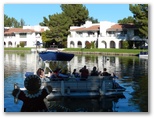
(48, 57)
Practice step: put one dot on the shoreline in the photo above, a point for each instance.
(102, 53)
(85, 53)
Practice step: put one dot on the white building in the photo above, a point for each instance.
(28, 34)
(107, 34)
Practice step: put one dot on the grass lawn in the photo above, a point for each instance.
(106, 50)
(17, 49)
(135, 51)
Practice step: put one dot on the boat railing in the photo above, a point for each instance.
(93, 83)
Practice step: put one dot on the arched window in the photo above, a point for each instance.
(79, 44)
(112, 44)
(71, 44)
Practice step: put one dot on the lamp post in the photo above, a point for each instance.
(36, 44)
(53, 45)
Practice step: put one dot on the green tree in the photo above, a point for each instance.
(58, 25)
(45, 21)
(7, 21)
(140, 12)
(22, 23)
(125, 45)
(93, 20)
(12, 22)
(127, 20)
(77, 12)
(44, 36)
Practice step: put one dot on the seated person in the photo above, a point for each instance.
(63, 73)
(84, 73)
(94, 72)
(52, 75)
(75, 73)
(57, 75)
(105, 73)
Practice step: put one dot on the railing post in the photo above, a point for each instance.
(68, 90)
(62, 88)
(102, 88)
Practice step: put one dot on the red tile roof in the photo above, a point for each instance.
(92, 28)
(18, 30)
(120, 27)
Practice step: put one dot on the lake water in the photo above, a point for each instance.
(132, 73)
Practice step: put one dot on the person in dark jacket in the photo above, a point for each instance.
(84, 73)
(105, 73)
(94, 72)
(33, 97)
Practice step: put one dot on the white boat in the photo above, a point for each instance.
(93, 86)
(72, 86)
(143, 55)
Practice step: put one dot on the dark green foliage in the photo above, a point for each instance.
(93, 20)
(140, 12)
(93, 44)
(12, 22)
(130, 19)
(77, 12)
(45, 22)
(59, 24)
(22, 23)
(125, 44)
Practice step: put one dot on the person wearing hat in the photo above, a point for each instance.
(33, 96)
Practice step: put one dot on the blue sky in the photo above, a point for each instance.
(33, 14)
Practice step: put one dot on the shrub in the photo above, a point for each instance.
(125, 45)
(88, 45)
(22, 44)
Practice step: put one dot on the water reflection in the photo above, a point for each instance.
(84, 104)
(132, 73)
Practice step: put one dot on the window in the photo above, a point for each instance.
(90, 33)
(23, 35)
(80, 33)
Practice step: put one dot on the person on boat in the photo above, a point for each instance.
(40, 73)
(33, 97)
(53, 76)
(75, 74)
(105, 73)
(56, 75)
(94, 72)
(84, 73)
(63, 73)
(115, 84)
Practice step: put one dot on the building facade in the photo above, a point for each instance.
(105, 34)
(29, 35)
